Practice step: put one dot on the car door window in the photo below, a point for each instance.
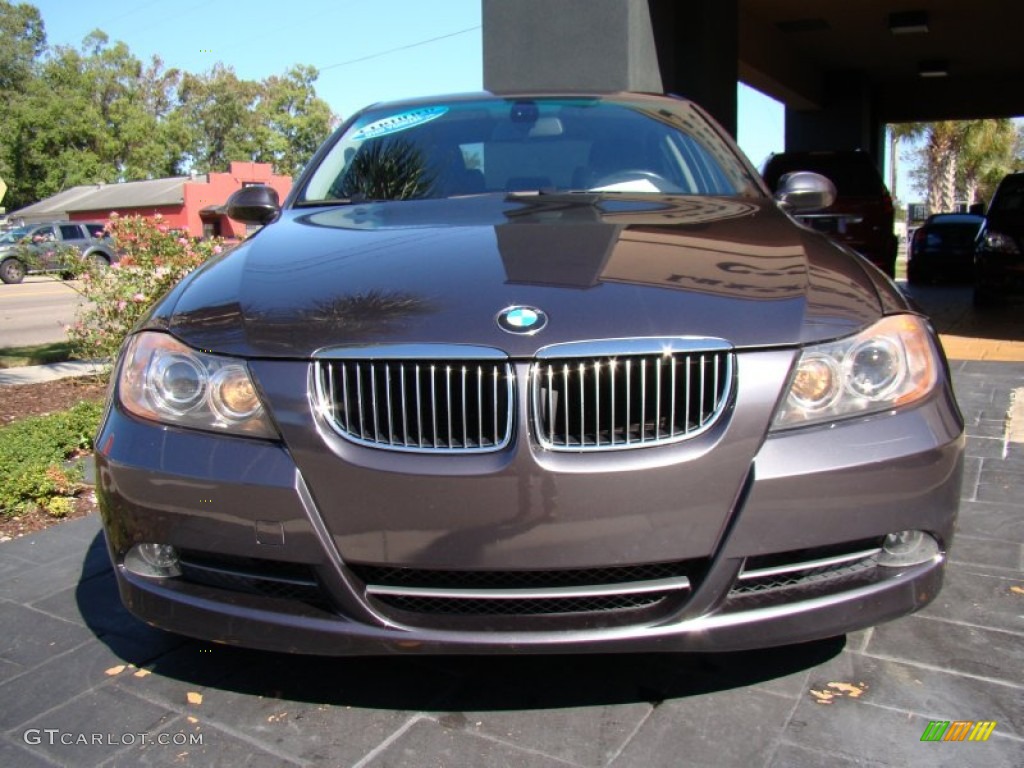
(70, 232)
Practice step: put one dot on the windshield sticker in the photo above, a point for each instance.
(399, 122)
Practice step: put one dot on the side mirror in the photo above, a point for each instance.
(258, 204)
(805, 191)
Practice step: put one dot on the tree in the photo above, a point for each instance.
(962, 160)
(22, 42)
(293, 121)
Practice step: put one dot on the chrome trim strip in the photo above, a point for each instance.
(290, 580)
(653, 345)
(808, 565)
(371, 352)
(551, 593)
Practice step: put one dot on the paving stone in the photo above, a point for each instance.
(585, 736)
(50, 684)
(59, 541)
(853, 730)
(31, 637)
(991, 553)
(971, 479)
(18, 755)
(190, 667)
(975, 596)
(427, 744)
(992, 521)
(34, 582)
(105, 714)
(930, 693)
(216, 748)
(317, 709)
(731, 728)
(795, 756)
(971, 650)
(96, 604)
(1000, 485)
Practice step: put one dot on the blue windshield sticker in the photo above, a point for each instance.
(399, 122)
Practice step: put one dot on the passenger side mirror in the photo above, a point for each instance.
(804, 191)
(258, 204)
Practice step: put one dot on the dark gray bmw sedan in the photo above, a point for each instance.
(530, 374)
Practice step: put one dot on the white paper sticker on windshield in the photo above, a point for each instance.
(399, 122)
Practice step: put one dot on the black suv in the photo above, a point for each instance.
(862, 215)
(43, 241)
(998, 259)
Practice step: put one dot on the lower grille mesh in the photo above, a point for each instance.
(615, 588)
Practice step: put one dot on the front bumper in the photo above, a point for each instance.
(806, 491)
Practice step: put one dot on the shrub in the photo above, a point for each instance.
(152, 259)
(32, 455)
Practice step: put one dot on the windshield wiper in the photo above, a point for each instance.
(330, 201)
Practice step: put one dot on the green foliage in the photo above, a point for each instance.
(38, 354)
(32, 453)
(153, 258)
(99, 114)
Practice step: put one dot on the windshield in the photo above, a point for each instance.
(13, 235)
(533, 145)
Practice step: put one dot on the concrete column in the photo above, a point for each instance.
(847, 119)
(698, 52)
(578, 45)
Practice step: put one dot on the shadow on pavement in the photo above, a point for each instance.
(448, 683)
(952, 312)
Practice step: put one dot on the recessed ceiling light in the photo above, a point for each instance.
(933, 68)
(908, 22)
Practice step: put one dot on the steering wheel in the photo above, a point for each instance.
(658, 181)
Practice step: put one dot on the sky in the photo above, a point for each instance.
(366, 50)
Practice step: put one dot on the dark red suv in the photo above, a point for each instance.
(862, 215)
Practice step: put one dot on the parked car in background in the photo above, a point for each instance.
(39, 247)
(861, 216)
(942, 249)
(530, 373)
(999, 252)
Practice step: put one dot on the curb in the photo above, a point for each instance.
(36, 374)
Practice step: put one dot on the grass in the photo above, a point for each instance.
(40, 354)
(32, 456)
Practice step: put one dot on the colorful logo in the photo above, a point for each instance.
(958, 730)
(521, 320)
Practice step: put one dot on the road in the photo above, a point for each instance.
(35, 311)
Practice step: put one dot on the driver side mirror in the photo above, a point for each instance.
(258, 204)
(805, 191)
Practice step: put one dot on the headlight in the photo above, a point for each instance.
(1000, 243)
(892, 363)
(163, 380)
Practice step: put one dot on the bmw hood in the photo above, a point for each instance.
(491, 270)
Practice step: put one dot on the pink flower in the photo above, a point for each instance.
(217, 249)
(121, 304)
(182, 241)
(158, 217)
(139, 297)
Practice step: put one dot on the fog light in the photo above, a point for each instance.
(907, 548)
(159, 560)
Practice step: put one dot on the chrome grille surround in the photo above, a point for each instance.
(419, 398)
(617, 394)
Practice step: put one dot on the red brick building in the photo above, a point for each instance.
(193, 204)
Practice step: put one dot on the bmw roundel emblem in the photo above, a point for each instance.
(522, 320)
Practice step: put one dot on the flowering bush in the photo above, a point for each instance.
(152, 259)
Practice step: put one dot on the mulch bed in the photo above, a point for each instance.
(23, 400)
